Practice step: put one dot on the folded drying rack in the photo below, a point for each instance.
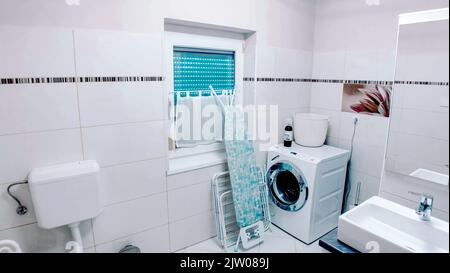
(228, 230)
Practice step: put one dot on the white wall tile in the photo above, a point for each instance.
(406, 164)
(264, 93)
(19, 154)
(28, 108)
(368, 159)
(33, 239)
(370, 130)
(124, 219)
(8, 216)
(332, 141)
(426, 98)
(327, 96)
(398, 94)
(250, 56)
(304, 96)
(36, 52)
(272, 17)
(427, 149)
(291, 63)
(266, 61)
(306, 64)
(435, 125)
(386, 65)
(134, 180)
(200, 228)
(329, 65)
(111, 145)
(113, 53)
(150, 241)
(231, 13)
(249, 95)
(423, 52)
(327, 38)
(194, 177)
(189, 201)
(430, 67)
(370, 186)
(112, 103)
(362, 65)
(286, 95)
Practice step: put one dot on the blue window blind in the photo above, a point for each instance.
(195, 70)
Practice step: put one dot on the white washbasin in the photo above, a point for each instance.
(379, 225)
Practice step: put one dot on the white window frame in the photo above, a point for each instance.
(176, 39)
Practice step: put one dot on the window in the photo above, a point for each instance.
(196, 69)
(193, 62)
(194, 72)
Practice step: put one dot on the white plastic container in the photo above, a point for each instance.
(310, 130)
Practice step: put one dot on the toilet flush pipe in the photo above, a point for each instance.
(76, 236)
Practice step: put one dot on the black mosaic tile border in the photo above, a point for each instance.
(120, 79)
(38, 80)
(368, 82)
(345, 81)
(282, 80)
(422, 83)
(54, 80)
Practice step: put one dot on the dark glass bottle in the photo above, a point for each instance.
(288, 136)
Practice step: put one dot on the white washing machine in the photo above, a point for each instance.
(306, 189)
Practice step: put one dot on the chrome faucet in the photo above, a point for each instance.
(425, 207)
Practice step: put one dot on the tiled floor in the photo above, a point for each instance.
(276, 241)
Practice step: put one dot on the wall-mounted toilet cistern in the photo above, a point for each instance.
(66, 195)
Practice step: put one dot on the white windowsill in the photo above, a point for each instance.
(196, 161)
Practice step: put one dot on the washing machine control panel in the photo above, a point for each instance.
(294, 154)
(303, 157)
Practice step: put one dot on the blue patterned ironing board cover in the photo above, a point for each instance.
(245, 175)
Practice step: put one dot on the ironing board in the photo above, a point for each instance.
(245, 176)
(251, 207)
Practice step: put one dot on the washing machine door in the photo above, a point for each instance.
(287, 186)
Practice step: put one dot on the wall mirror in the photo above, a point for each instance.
(418, 143)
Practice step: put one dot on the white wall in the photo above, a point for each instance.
(123, 125)
(354, 41)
